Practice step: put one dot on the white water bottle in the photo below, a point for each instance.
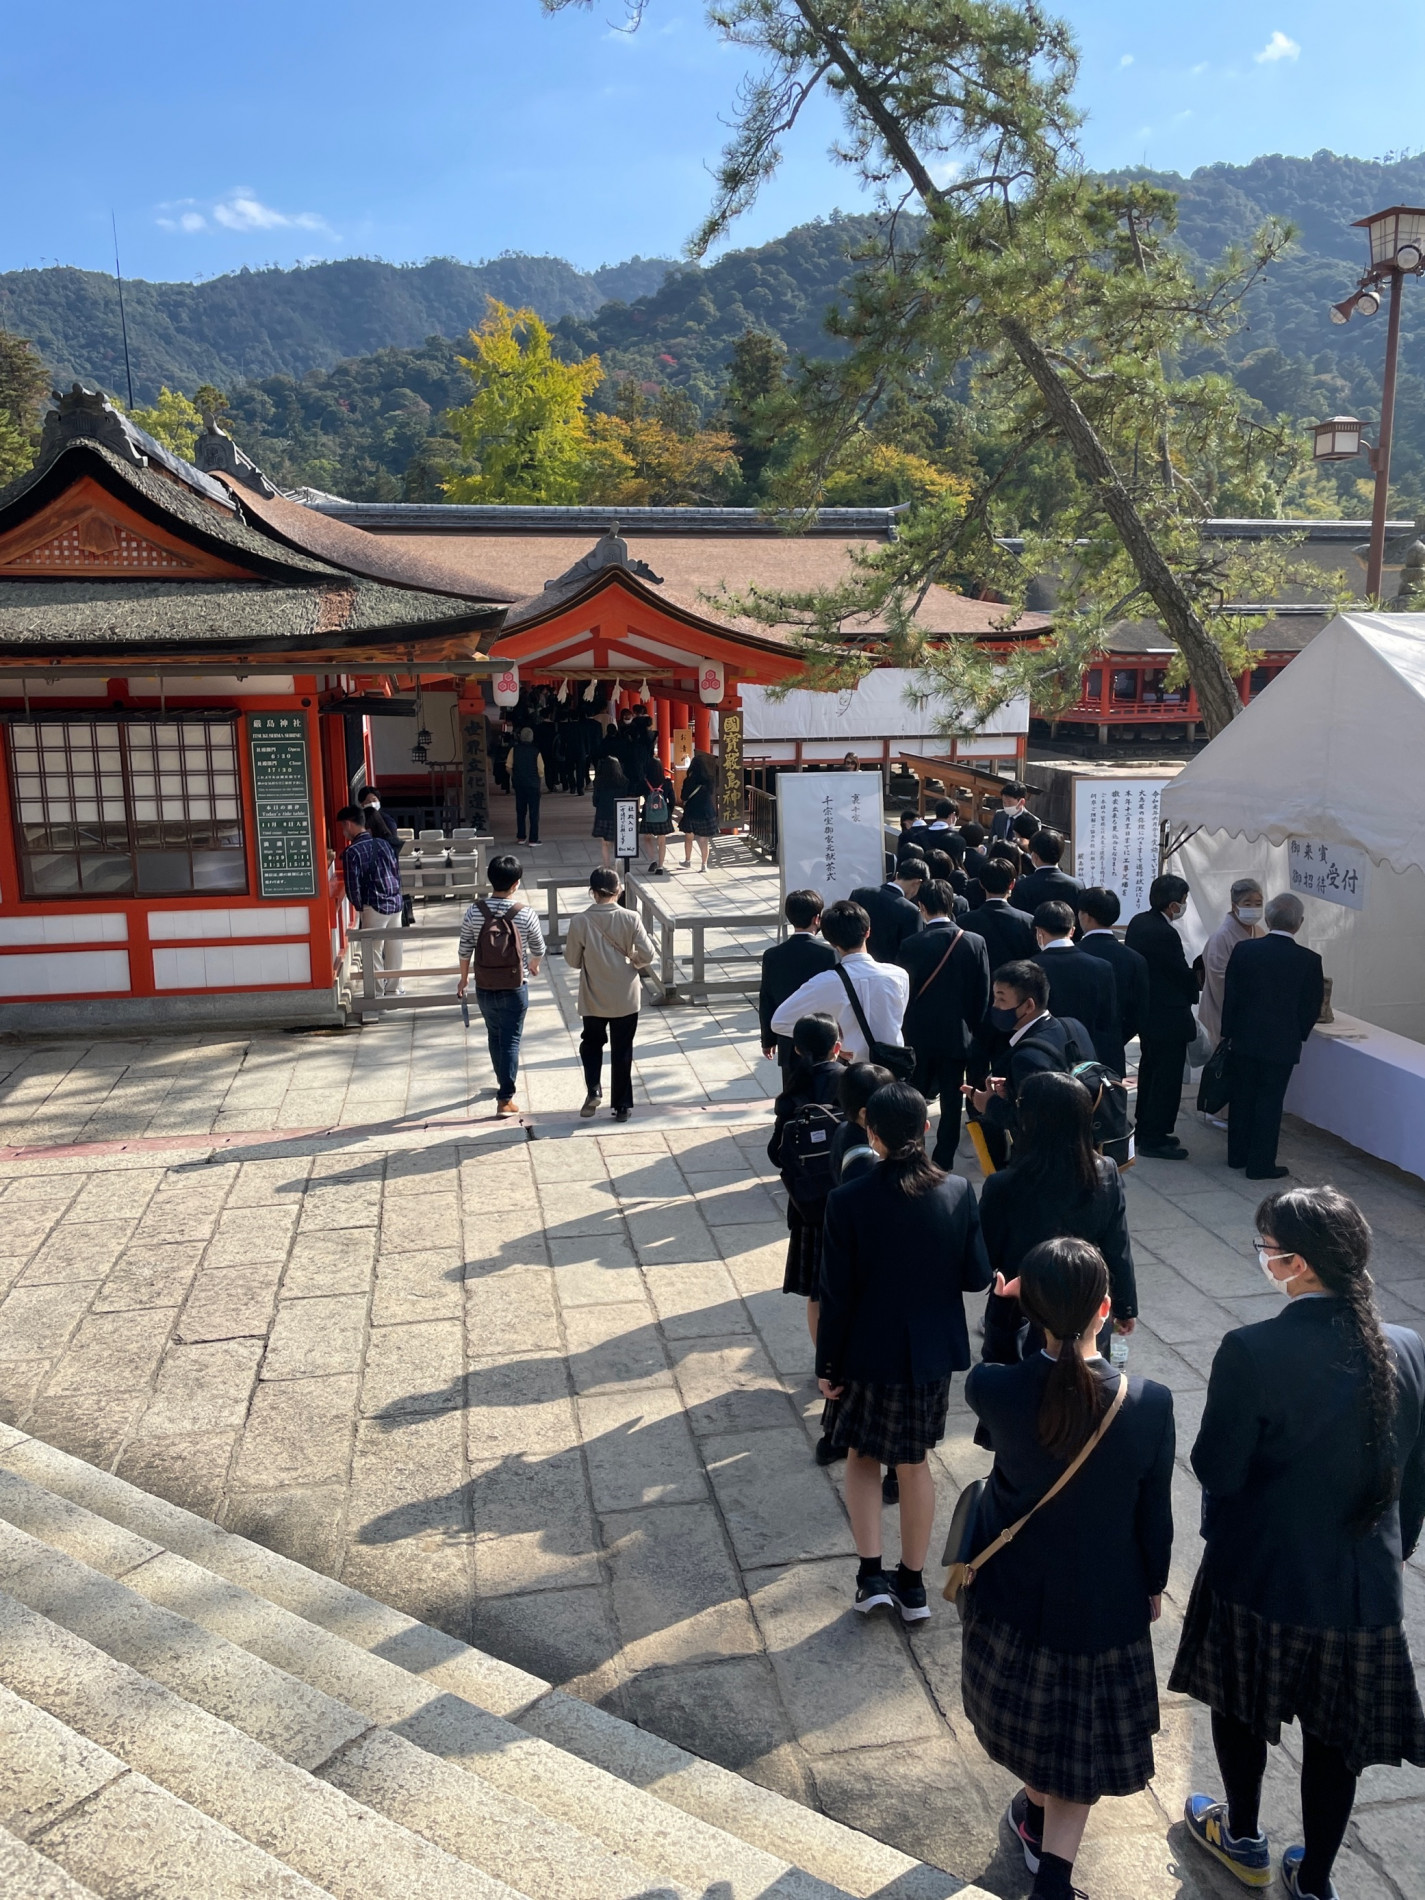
(1118, 1352)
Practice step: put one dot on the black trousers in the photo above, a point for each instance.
(619, 1032)
(1160, 1086)
(527, 813)
(942, 1075)
(1254, 1119)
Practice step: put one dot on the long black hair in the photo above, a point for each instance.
(896, 1115)
(1063, 1284)
(1053, 1150)
(1333, 1237)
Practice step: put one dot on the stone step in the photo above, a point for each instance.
(503, 1835)
(114, 1833)
(310, 1827)
(631, 1792)
(27, 1874)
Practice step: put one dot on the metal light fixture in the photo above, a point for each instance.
(1396, 236)
(1336, 440)
(420, 755)
(1368, 302)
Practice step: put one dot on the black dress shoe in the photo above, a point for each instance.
(1163, 1150)
(1267, 1174)
(827, 1453)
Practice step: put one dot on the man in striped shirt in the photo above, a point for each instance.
(501, 934)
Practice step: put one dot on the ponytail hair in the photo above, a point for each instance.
(1333, 1237)
(896, 1116)
(1063, 1284)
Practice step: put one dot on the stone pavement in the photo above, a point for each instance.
(547, 1393)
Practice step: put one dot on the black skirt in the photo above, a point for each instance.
(1352, 1689)
(896, 1424)
(803, 1271)
(1078, 1727)
(605, 827)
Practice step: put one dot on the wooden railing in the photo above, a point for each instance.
(762, 821)
(664, 926)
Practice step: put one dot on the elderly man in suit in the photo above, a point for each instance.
(1168, 1028)
(949, 975)
(1270, 1001)
(1098, 913)
(894, 909)
(1080, 986)
(788, 964)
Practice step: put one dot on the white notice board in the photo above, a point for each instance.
(625, 827)
(830, 832)
(1116, 835)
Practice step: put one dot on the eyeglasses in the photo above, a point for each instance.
(1259, 1246)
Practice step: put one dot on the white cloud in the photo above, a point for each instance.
(237, 210)
(1127, 60)
(1196, 72)
(1278, 47)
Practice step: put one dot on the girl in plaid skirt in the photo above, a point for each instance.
(1312, 1459)
(1057, 1662)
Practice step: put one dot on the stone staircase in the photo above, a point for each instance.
(184, 1714)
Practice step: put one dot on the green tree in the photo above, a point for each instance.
(760, 406)
(1070, 297)
(24, 384)
(174, 420)
(524, 434)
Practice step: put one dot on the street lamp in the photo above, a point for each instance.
(1397, 250)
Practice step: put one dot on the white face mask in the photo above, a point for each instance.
(1249, 913)
(373, 804)
(1265, 1257)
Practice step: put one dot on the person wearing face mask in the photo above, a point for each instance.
(1311, 1457)
(377, 823)
(1019, 1038)
(1242, 922)
(1270, 1002)
(1169, 1026)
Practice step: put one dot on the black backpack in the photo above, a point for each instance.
(805, 1155)
(1111, 1127)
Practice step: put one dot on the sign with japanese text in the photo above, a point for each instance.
(625, 827)
(730, 795)
(830, 832)
(1116, 837)
(282, 798)
(1335, 872)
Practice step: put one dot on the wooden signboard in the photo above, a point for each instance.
(282, 798)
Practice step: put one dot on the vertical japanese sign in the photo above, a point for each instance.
(1116, 836)
(830, 831)
(625, 827)
(730, 793)
(282, 796)
(1335, 872)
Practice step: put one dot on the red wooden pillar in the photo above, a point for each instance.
(702, 728)
(664, 707)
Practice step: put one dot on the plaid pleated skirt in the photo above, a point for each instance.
(1352, 1689)
(1078, 1727)
(896, 1424)
(605, 827)
(803, 1269)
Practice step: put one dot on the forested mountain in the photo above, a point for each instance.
(256, 323)
(339, 373)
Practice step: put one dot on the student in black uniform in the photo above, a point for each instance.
(815, 1076)
(1080, 986)
(1098, 913)
(1057, 1662)
(1008, 933)
(949, 994)
(902, 1248)
(851, 1155)
(789, 964)
(1312, 1461)
(1167, 1029)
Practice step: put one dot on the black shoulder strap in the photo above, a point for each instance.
(856, 1006)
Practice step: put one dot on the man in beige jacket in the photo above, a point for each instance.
(608, 946)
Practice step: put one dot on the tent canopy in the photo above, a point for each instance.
(1334, 748)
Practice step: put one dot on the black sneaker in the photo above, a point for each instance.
(827, 1453)
(910, 1599)
(875, 1593)
(622, 1114)
(1017, 1816)
(890, 1488)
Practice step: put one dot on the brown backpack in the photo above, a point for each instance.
(499, 960)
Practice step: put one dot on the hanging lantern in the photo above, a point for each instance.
(420, 753)
(711, 681)
(507, 686)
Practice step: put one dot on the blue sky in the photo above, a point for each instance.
(266, 132)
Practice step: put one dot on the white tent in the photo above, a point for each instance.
(1333, 750)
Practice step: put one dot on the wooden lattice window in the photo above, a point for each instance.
(141, 807)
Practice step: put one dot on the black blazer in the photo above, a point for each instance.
(943, 1020)
(1008, 933)
(1084, 988)
(1279, 1457)
(893, 919)
(1002, 824)
(1044, 886)
(1271, 998)
(894, 1269)
(1078, 1577)
(785, 967)
(975, 861)
(1130, 978)
(1172, 987)
(1014, 1221)
(1021, 1061)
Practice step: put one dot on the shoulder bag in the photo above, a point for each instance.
(955, 937)
(898, 1057)
(962, 1573)
(1214, 1088)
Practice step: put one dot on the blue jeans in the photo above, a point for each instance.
(504, 1012)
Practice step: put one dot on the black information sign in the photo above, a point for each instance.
(282, 793)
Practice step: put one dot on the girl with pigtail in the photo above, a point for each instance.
(1312, 1462)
